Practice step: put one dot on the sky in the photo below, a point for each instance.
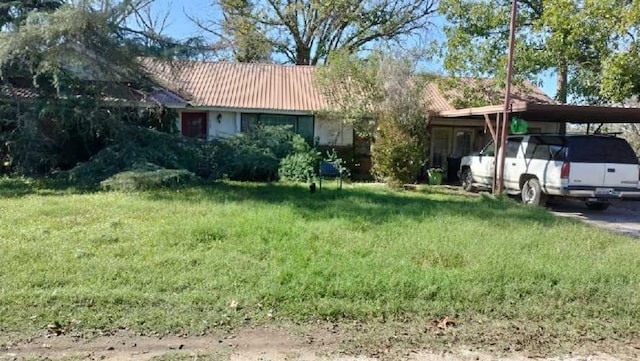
(180, 26)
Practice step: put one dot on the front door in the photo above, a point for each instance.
(462, 142)
(440, 147)
(194, 125)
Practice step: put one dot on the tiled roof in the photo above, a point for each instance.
(291, 88)
(165, 97)
(445, 94)
(111, 92)
(435, 100)
(275, 87)
(240, 85)
(8, 91)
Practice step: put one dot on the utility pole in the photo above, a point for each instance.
(507, 100)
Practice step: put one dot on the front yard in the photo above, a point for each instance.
(200, 259)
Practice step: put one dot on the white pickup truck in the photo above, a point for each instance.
(594, 168)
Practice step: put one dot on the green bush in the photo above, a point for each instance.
(52, 134)
(301, 165)
(143, 149)
(252, 156)
(398, 153)
(141, 180)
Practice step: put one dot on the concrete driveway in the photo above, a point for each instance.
(621, 217)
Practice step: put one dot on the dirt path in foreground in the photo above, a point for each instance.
(259, 344)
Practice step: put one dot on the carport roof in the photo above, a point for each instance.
(553, 113)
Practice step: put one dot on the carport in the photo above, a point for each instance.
(543, 112)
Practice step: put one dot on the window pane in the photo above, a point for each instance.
(247, 121)
(305, 128)
(278, 120)
(489, 149)
(512, 147)
(302, 125)
(462, 145)
(440, 140)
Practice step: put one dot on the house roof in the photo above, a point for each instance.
(291, 88)
(113, 93)
(449, 94)
(239, 85)
(554, 113)
(8, 91)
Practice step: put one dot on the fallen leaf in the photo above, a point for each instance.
(444, 323)
(55, 328)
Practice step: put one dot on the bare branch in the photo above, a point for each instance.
(306, 31)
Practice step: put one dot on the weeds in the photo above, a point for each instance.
(197, 258)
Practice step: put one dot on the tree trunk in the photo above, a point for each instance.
(561, 95)
(561, 83)
(303, 55)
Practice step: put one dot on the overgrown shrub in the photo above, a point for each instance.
(56, 134)
(143, 149)
(141, 180)
(132, 149)
(301, 165)
(252, 156)
(399, 151)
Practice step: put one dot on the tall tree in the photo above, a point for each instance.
(146, 28)
(382, 97)
(92, 35)
(14, 12)
(242, 36)
(79, 58)
(573, 38)
(304, 32)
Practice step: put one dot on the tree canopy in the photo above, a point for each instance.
(382, 96)
(86, 38)
(15, 12)
(591, 45)
(305, 32)
(78, 59)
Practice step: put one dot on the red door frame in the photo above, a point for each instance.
(191, 115)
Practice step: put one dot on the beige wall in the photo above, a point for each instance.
(333, 132)
(225, 128)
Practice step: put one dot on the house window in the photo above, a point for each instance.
(194, 125)
(300, 124)
(462, 144)
(440, 144)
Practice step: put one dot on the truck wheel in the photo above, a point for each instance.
(532, 193)
(597, 206)
(467, 180)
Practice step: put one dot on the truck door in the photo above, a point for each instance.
(621, 168)
(484, 169)
(514, 164)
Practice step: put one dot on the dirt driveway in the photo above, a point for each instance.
(254, 344)
(621, 217)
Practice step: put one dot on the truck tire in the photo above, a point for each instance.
(467, 180)
(532, 193)
(597, 206)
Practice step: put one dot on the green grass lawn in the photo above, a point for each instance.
(195, 259)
